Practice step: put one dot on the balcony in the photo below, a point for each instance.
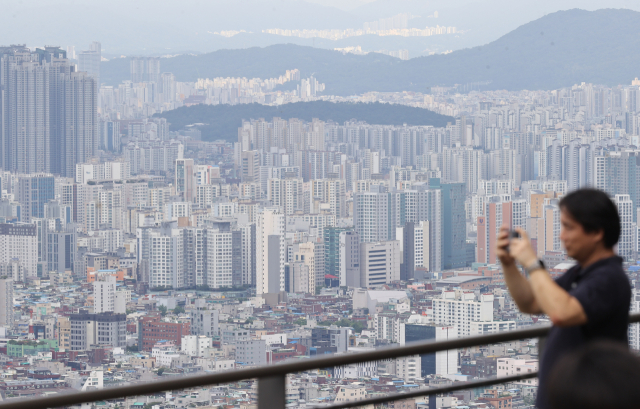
(272, 379)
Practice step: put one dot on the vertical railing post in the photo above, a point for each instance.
(271, 392)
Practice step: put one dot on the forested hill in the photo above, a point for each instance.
(223, 121)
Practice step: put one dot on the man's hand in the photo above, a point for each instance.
(518, 285)
(521, 250)
(502, 250)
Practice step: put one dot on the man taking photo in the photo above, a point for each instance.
(591, 300)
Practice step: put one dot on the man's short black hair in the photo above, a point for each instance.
(603, 374)
(594, 211)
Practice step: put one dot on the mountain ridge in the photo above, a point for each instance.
(557, 50)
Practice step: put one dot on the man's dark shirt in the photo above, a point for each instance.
(604, 292)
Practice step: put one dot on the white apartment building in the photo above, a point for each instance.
(123, 297)
(387, 326)
(409, 368)
(319, 220)
(495, 186)
(379, 263)
(225, 209)
(248, 249)
(112, 239)
(286, 194)
(251, 352)
(216, 365)
(6, 302)
(164, 353)
(446, 361)
(204, 320)
(462, 312)
(306, 254)
(109, 208)
(185, 180)
(491, 327)
(372, 217)
(166, 259)
(514, 366)
(359, 370)
(174, 210)
(20, 241)
(421, 244)
(270, 251)
(104, 294)
(273, 339)
(86, 172)
(91, 216)
(429, 207)
(349, 259)
(249, 191)
(298, 276)
(157, 197)
(207, 194)
(137, 194)
(14, 270)
(205, 174)
(219, 259)
(626, 244)
(332, 192)
(195, 345)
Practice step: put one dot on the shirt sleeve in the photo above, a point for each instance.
(600, 295)
(563, 280)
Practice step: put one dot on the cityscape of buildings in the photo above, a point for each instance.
(340, 34)
(397, 25)
(130, 252)
(402, 54)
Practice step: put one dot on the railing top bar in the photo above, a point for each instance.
(428, 392)
(273, 370)
(277, 370)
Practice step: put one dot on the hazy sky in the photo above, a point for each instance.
(158, 26)
(341, 4)
(559, 4)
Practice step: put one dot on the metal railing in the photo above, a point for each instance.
(272, 379)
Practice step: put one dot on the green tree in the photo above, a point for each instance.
(179, 310)
(356, 325)
(163, 310)
(161, 370)
(300, 321)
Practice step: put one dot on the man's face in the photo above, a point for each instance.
(578, 243)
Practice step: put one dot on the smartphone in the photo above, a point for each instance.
(512, 235)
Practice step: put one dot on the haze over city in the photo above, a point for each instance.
(204, 187)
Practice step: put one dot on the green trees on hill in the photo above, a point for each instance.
(223, 121)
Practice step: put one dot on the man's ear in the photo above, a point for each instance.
(598, 236)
